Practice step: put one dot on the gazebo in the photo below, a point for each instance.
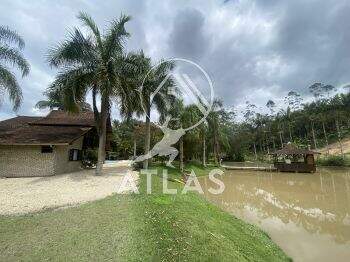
(294, 159)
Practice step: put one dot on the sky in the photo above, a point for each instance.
(252, 50)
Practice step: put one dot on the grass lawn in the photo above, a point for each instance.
(137, 227)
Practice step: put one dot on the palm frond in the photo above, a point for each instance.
(73, 84)
(9, 83)
(90, 23)
(9, 36)
(15, 58)
(43, 104)
(78, 49)
(116, 35)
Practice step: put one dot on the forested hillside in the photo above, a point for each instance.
(324, 121)
(316, 124)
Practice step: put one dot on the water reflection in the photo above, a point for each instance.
(308, 215)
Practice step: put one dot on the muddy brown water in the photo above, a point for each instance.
(307, 215)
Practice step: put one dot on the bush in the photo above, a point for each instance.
(238, 157)
(90, 157)
(137, 165)
(332, 161)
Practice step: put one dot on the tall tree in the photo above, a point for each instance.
(293, 100)
(95, 62)
(152, 77)
(271, 105)
(321, 91)
(249, 113)
(217, 119)
(11, 56)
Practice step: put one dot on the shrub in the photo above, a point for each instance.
(238, 157)
(90, 157)
(137, 165)
(332, 161)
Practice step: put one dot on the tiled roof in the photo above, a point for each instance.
(42, 135)
(290, 149)
(61, 118)
(56, 128)
(16, 122)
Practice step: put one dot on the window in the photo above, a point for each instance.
(74, 155)
(46, 149)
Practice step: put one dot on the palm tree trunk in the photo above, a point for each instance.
(216, 149)
(260, 146)
(102, 135)
(134, 148)
(267, 145)
(255, 154)
(325, 136)
(204, 148)
(181, 155)
(148, 135)
(290, 133)
(313, 135)
(339, 137)
(281, 139)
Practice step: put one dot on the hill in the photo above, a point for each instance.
(334, 148)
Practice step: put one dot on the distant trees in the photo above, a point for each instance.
(271, 106)
(321, 91)
(318, 123)
(11, 45)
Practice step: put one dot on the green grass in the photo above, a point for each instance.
(198, 169)
(334, 160)
(137, 227)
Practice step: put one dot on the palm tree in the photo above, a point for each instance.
(192, 115)
(185, 116)
(95, 62)
(11, 56)
(152, 78)
(214, 126)
(55, 100)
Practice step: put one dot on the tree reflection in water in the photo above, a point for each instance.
(318, 203)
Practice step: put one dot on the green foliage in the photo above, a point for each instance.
(238, 157)
(325, 120)
(89, 157)
(92, 61)
(333, 161)
(55, 99)
(11, 56)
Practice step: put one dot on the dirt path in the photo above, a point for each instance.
(25, 195)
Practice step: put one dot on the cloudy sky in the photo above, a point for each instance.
(252, 50)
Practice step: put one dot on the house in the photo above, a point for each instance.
(44, 146)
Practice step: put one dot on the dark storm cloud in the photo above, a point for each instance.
(253, 50)
(187, 38)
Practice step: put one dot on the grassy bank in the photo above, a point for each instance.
(137, 227)
(334, 160)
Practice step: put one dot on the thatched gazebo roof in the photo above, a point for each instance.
(291, 149)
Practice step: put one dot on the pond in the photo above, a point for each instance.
(307, 215)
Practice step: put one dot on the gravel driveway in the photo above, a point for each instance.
(26, 195)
